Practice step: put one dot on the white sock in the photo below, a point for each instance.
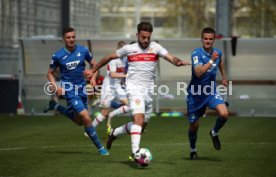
(118, 111)
(98, 120)
(214, 133)
(135, 133)
(192, 150)
(123, 129)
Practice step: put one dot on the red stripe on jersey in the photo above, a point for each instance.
(135, 133)
(142, 57)
(108, 69)
(120, 70)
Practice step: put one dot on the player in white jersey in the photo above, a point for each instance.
(142, 61)
(112, 89)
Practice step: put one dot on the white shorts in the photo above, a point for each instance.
(111, 93)
(140, 101)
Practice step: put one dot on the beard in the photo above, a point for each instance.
(143, 45)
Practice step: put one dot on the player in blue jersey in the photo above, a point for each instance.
(202, 89)
(71, 62)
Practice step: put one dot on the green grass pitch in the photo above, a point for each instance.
(55, 147)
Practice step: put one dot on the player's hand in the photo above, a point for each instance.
(215, 56)
(225, 82)
(87, 74)
(93, 82)
(60, 91)
(182, 63)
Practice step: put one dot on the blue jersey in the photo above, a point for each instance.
(200, 85)
(72, 65)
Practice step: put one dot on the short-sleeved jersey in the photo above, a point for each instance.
(118, 66)
(71, 64)
(141, 62)
(201, 57)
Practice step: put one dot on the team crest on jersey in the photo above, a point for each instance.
(150, 50)
(137, 102)
(79, 54)
(51, 62)
(195, 58)
(72, 65)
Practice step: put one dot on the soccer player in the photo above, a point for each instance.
(206, 60)
(71, 62)
(142, 61)
(112, 89)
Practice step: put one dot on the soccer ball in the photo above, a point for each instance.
(143, 157)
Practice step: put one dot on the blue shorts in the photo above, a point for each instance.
(77, 103)
(196, 108)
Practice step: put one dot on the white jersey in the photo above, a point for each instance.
(118, 66)
(141, 62)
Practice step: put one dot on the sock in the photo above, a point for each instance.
(192, 138)
(219, 123)
(67, 112)
(123, 129)
(98, 120)
(135, 133)
(93, 136)
(120, 110)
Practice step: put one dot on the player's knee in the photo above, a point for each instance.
(224, 114)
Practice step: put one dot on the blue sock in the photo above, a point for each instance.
(192, 137)
(91, 132)
(219, 123)
(67, 112)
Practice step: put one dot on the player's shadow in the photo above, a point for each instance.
(213, 159)
(133, 165)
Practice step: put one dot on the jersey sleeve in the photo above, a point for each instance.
(54, 62)
(160, 50)
(196, 59)
(112, 66)
(88, 55)
(122, 52)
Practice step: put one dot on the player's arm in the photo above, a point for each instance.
(175, 61)
(94, 75)
(223, 74)
(104, 61)
(51, 78)
(200, 69)
(117, 75)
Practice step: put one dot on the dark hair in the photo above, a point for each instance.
(67, 30)
(208, 30)
(145, 26)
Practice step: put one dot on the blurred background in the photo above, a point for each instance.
(30, 33)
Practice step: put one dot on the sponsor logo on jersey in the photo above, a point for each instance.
(72, 65)
(151, 50)
(142, 57)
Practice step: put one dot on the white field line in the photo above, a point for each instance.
(126, 144)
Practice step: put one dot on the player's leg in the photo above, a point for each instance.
(107, 95)
(218, 104)
(121, 110)
(66, 111)
(124, 129)
(194, 113)
(101, 117)
(137, 104)
(80, 106)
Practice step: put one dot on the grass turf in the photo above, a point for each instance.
(55, 147)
